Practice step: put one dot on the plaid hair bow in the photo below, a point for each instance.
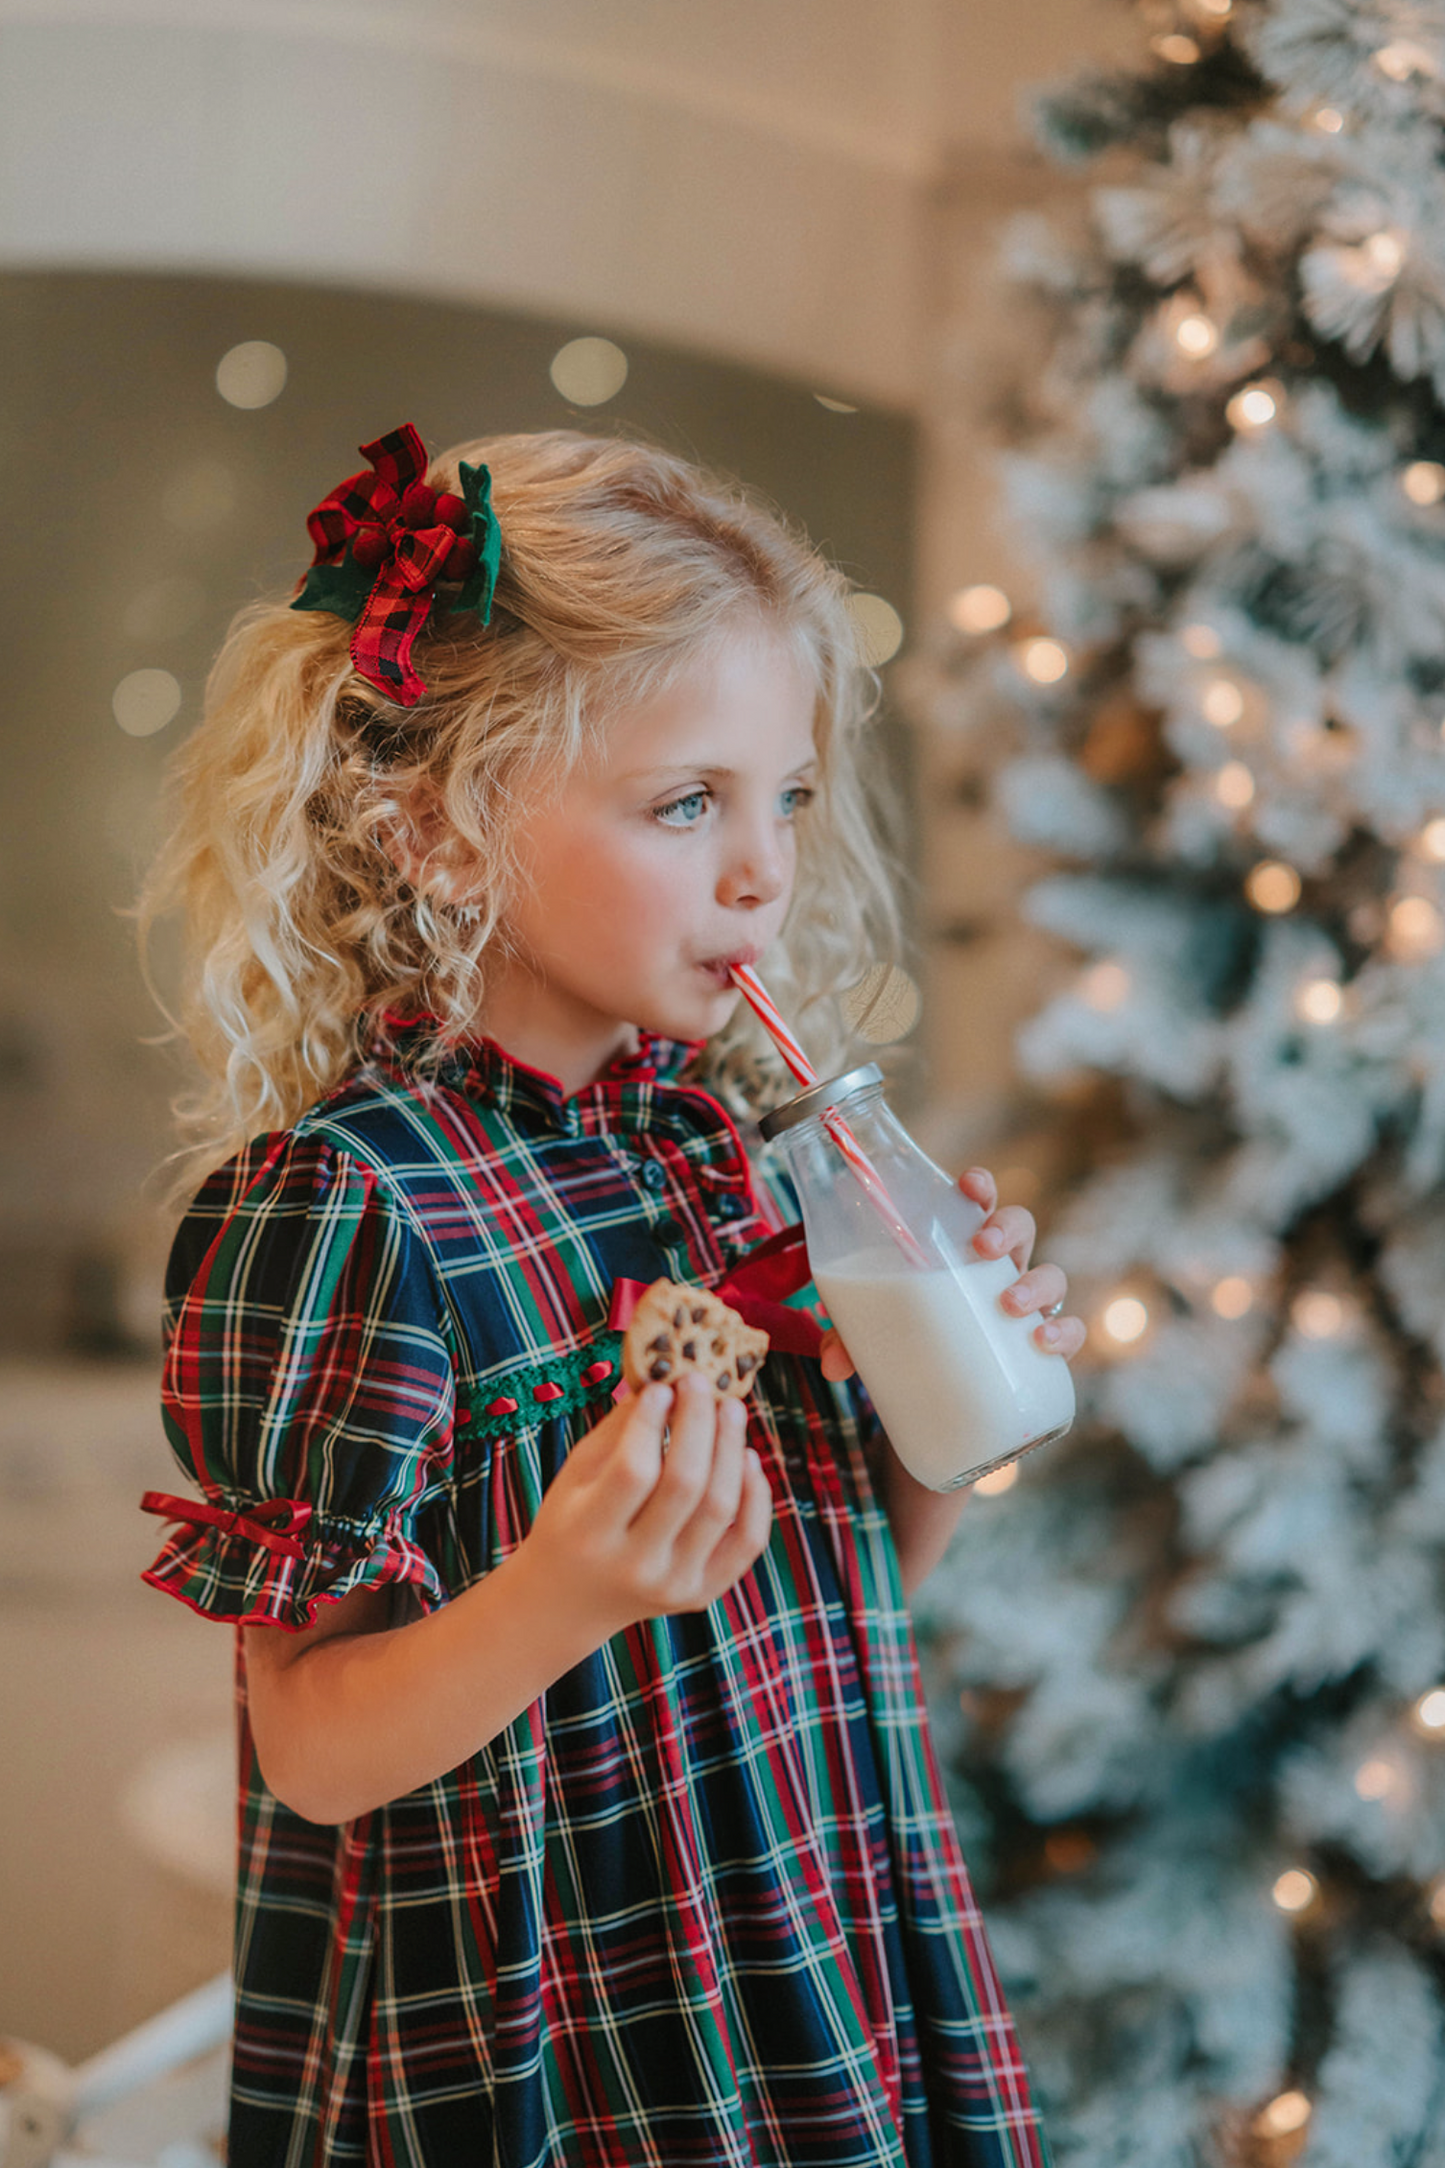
(384, 540)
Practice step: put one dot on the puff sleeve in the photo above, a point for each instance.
(307, 1390)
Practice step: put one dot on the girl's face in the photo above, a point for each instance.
(667, 854)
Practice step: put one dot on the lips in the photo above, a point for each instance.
(719, 967)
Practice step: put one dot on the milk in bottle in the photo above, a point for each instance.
(960, 1385)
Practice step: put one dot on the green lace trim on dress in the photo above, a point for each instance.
(538, 1392)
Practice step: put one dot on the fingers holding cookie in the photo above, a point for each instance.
(677, 1331)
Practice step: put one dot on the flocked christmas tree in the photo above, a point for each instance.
(1198, 1653)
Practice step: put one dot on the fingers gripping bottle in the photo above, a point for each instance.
(960, 1386)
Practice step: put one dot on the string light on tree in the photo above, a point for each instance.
(1428, 1714)
(1202, 642)
(1196, 336)
(1234, 786)
(1378, 1779)
(1254, 408)
(1416, 928)
(1002, 1479)
(1319, 1001)
(1296, 1890)
(1222, 703)
(980, 609)
(1232, 1297)
(1105, 986)
(1176, 47)
(1125, 1320)
(1317, 1313)
(1423, 481)
(1285, 2114)
(1043, 660)
(1329, 120)
(1273, 886)
(1384, 253)
(1431, 842)
(1402, 58)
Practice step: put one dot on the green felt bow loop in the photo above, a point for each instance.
(387, 545)
(486, 535)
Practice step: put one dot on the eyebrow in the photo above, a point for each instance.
(705, 768)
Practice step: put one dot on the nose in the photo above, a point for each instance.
(758, 867)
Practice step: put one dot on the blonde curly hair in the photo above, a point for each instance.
(284, 810)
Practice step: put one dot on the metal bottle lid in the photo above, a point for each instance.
(818, 1097)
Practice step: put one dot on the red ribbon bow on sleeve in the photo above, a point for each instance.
(294, 1513)
(383, 541)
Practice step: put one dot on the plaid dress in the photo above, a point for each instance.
(703, 1902)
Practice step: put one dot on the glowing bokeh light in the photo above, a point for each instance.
(878, 626)
(1376, 1779)
(1273, 886)
(1222, 703)
(1317, 1313)
(1105, 986)
(1432, 840)
(1319, 1001)
(145, 701)
(1126, 1319)
(1287, 2112)
(1402, 58)
(589, 372)
(1253, 408)
(251, 374)
(1182, 51)
(1329, 120)
(1416, 927)
(1196, 336)
(1428, 1714)
(1234, 786)
(1295, 1890)
(1201, 641)
(1423, 481)
(1002, 1479)
(1044, 660)
(1233, 1296)
(980, 609)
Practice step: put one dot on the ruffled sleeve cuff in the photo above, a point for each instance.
(274, 1562)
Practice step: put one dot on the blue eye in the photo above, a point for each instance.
(795, 797)
(690, 808)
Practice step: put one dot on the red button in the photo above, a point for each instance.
(546, 1392)
(596, 1372)
(464, 1415)
(502, 1407)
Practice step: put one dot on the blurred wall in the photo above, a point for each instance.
(747, 179)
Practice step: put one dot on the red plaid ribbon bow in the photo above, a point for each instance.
(383, 541)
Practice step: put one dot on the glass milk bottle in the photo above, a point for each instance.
(959, 1384)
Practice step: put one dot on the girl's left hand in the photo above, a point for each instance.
(1008, 1231)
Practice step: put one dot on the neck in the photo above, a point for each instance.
(528, 1021)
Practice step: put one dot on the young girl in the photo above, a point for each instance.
(588, 1809)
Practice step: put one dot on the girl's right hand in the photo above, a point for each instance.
(631, 1529)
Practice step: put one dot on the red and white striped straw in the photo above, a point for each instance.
(751, 987)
